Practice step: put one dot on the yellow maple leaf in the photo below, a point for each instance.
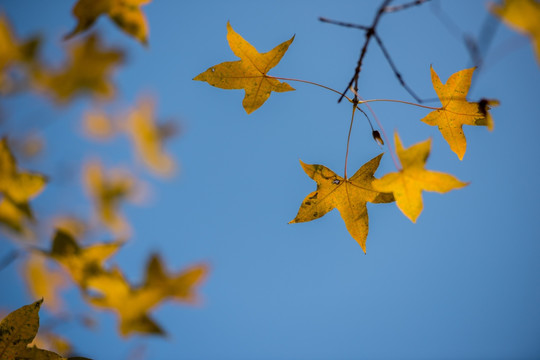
(349, 196)
(15, 217)
(408, 183)
(456, 111)
(17, 330)
(109, 190)
(98, 125)
(13, 52)
(249, 73)
(148, 138)
(524, 17)
(86, 71)
(127, 14)
(16, 185)
(132, 304)
(44, 282)
(81, 263)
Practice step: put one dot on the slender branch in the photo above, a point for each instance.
(344, 24)
(390, 9)
(393, 66)
(8, 259)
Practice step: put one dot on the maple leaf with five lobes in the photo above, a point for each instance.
(524, 17)
(408, 183)
(127, 14)
(456, 111)
(132, 304)
(248, 73)
(16, 185)
(349, 196)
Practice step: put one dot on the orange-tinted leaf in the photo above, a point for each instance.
(349, 196)
(524, 17)
(16, 217)
(407, 184)
(249, 73)
(127, 14)
(456, 111)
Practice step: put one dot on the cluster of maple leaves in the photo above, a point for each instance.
(87, 70)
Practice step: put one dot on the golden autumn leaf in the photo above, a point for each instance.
(408, 183)
(81, 263)
(71, 225)
(249, 73)
(349, 196)
(456, 111)
(86, 71)
(108, 190)
(18, 186)
(132, 304)
(126, 14)
(44, 282)
(524, 17)
(13, 52)
(17, 330)
(15, 217)
(147, 137)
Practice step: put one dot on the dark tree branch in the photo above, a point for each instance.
(396, 72)
(396, 8)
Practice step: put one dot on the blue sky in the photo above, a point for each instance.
(463, 282)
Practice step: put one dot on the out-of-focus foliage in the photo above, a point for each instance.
(349, 196)
(249, 73)
(108, 190)
(408, 183)
(44, 282)
(522, 16)
(132, 303)
(456, 111)
(127, 14)
(86, 71)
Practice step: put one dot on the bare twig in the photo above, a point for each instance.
(396, 8)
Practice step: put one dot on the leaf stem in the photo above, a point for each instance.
(399, 101)
(349, 139)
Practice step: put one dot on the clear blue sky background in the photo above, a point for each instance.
(463, 282)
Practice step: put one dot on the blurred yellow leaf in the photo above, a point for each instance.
(108, 191)
(456, 111)
(52, 341)
(249, 73)
(349, 196)
(15, 217)
(407, 184)
(132, 304)
(524, 17)
(19, 187)
(127, 14)
(71, 225)
(13, 52)
(17, 330)
(148, 138)
(43, 282)
(81, 263)
(87, 70)
(98, 125)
